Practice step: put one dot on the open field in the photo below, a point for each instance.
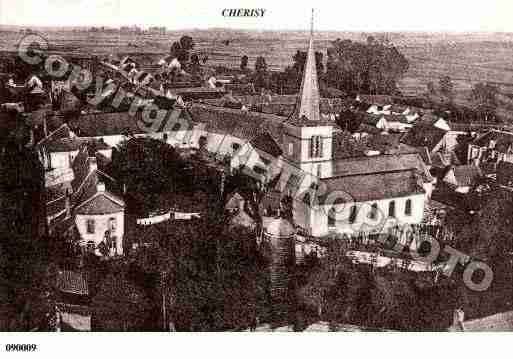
(467, 58)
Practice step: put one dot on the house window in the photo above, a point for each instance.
(291, 149)
(407, 207)
(391, 209)
(331, 217)
(315, 146)
(352, 214)
(373, 213)
(165, 137)
(112, 225)
(319, 171)
(90, 226)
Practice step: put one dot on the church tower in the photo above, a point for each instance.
(308, 137)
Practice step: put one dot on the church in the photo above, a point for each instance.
(297, 153)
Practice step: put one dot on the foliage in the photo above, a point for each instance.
(119, 304)
(349, 120)
(364, 68)
(147, 167)
(181, 49)
(244, 63)
(261, 77)
(485, 98)
(446, 86)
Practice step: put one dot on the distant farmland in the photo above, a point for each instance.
(466, 58)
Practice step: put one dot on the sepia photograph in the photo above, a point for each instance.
(171, 166)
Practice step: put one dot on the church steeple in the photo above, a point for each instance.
(309, 97)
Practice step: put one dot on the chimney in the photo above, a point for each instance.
(124, 188)
(67, 204)
(100, 187)
(93, 166)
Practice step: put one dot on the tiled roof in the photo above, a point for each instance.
(72, 282)
(244, 124)
(424, 136)
(242, 89)
(88, 188)
(265, 142)
(101, 203)
(56, 206)
(444, 159)
(502, 139)
(376, 99)
(466, 175)
(381, 164)
(373, 186)
(117, 123)
(62, 131)
(80, 167)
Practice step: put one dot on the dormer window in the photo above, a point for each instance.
(315, 146)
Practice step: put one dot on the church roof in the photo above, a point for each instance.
(307, 109)
(373, 186)
(381, 164)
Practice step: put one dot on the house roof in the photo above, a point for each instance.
(89, 188)
(244, 124)
(234, 200)
(101, 203)
(63, 131)
(72, 282)
(381, 164)
(422, 135)
(80, 167)
(503, 140)
(243, 89)
(381, 100)
(117, 123)
(466, 175)
(373, 186)
(265, 142)
(444, 159)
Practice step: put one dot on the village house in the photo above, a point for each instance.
(487, 150)
(88, 210)
(462, 178)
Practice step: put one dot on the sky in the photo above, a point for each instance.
(338, 15)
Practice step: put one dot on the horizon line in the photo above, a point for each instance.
(213, 28)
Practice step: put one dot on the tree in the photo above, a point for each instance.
(186, 43)
(349, 120)
(244, 63)
(261, 77)
(446, 86)
(181, 49)
(372, 67)
(485, 98)
(119, 305)
(431, 88)
(147, 167)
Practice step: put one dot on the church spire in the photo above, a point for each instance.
(309, 97)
